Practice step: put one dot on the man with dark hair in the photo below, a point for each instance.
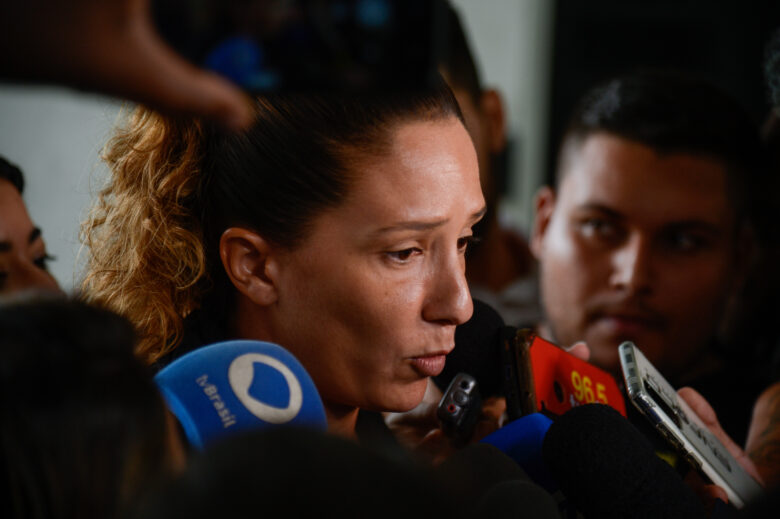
(646, 235)
(499, 268)
(23, 256)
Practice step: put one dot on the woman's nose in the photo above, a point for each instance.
(449, 300)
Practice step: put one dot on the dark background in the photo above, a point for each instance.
(720, 40)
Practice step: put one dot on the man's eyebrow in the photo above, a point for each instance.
(702, 225)
(424, 225)
(696, 225)
(34, 235)
(608, 211)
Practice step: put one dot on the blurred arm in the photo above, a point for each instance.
(110, 46)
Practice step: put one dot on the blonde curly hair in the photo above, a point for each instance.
(147, 260)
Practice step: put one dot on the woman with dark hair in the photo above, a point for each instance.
(336, 226)
(23, 256)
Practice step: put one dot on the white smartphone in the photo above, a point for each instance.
(657, 400)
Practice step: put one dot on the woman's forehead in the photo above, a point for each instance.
(430, 171)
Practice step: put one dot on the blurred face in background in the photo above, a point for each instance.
(23, 256)
(636, 245)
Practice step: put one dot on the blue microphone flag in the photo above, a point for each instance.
(233, 386)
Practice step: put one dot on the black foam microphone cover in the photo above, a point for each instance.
(296, 473)
(607, 469)
(476, 351)
(513, 499)
(485, 482)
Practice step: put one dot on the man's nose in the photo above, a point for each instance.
(632, 268)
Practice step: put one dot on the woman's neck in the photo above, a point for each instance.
(249, 323)
(341, 420)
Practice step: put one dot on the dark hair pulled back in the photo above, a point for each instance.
(176, 185)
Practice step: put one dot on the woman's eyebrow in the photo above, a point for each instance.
(412, 225)
(34, 234)
(424, 225)
(479, 214)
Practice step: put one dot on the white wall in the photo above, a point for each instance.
(54, 136)
(512, 41)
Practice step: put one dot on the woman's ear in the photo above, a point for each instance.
(250, 263)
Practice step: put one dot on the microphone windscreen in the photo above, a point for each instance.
(513, 499)
(476, 351)
(607, 469)
(522, 440)
(297, 473)
(476, 475)
(238, 385)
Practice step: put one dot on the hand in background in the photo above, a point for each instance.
(763, 441)
(579, 350)
(420, 430)
(111, 47)
(708, 492)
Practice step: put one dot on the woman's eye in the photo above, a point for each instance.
(404, 255)
(466, 242)
(42, 262)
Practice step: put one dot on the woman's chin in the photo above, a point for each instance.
(406, 399)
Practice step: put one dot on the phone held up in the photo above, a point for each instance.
(658, 402)
(542, 377)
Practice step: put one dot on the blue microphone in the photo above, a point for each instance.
(522, 441)
(235, 386)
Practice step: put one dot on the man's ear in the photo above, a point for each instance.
(493, 119)
(251, 264)
(544, 204)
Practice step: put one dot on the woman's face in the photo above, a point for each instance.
(22, 251)
(369, 302)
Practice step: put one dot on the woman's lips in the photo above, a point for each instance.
(429, 365)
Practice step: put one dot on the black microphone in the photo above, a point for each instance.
(513, 499)
(608, 469)
(477, 352)
(485, 482)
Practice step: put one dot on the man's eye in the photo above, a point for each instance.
(685, 242)
(42, 262)
(599, 228)
(404, 255)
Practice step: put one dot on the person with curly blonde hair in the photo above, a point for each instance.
(336, 226)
